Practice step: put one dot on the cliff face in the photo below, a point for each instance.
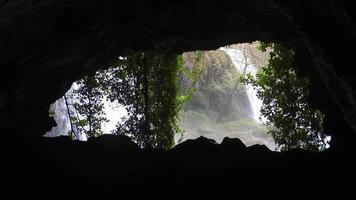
(220, 106)
(216, 86)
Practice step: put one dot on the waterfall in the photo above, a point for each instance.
(113, 112)
(195, 122)
(236, 56)
(255, 102)
(59, 113)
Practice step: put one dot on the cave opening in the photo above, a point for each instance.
(46, 45)
(213, 94)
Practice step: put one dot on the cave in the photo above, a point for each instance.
(47, 45)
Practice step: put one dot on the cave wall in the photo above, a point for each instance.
(46, 45)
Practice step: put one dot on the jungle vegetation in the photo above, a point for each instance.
(154, 86)
(292, 121)
(146, 84)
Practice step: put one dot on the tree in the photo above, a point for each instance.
(72, 133)
(146, 84)
(246, 63)
(87, 100)
(293, 122)
(189, 75)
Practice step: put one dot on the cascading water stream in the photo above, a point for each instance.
(60, 115)
(236, 56)
(244, 124)
(58, 111)
(113, 111)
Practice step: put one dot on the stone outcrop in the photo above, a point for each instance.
(113, 165)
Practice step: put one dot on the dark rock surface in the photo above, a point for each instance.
(113, 165)
(45, 45)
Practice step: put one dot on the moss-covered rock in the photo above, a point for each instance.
(220, 106)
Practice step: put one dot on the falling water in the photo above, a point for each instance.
(113, 111)
(59, 113)
(244, 124)
(236, 56)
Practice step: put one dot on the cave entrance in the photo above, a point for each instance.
(161, 99)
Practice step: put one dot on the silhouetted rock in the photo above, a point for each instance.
(114, 142)
(197, 145)
(233, 143)
(112, 164)
(46, 45)
(258, 148)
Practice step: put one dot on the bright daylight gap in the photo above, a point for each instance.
(221, 105)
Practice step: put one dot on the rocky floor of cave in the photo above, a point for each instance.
(108, 165)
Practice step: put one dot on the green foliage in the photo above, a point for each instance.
(293, 122)
(88, 113)
(219, 72)
(189, 77)
(219, 106)
(51, 113)
(147, 85)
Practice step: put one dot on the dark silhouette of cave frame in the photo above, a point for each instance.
(45, 46)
